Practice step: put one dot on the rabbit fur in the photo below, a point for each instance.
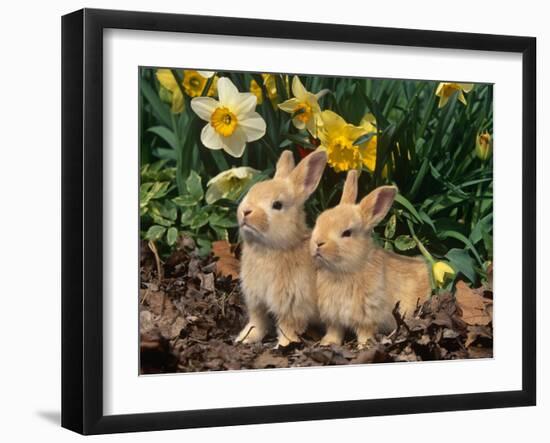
(277, 272)
(358, 282)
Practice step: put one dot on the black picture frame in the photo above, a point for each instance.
(82, 218)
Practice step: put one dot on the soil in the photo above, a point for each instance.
(191, 310)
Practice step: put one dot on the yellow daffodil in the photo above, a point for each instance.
(229, 184)
(170, 91)
(270, 85)
(443, 273)
(256, 89)
(232, 121)
(337, 138)
(484, 146)
(445, 90)
(194, 82)
(304, 107)
(368, 123)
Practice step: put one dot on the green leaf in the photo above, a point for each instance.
(426, 219)
(404, 243)
(389, 230)
(484, 225)
(171, 236)
(166, 134)
(223, 221)
(221, 233)
(462, 262)
(205, 246)
(185, 200)
(460, 237)
(155, 232)
(160, 109)
(194, 186)
(364, 138)
(186, 216)
(400, 198)
(199, 219)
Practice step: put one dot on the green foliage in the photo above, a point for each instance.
(165, 213)
(445, 199)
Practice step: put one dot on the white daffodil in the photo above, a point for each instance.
(304, 107)
(232, 121)
(229, 184)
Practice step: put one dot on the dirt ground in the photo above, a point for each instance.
(191, 310)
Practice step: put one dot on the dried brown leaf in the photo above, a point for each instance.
(474, 307)
(227, 264)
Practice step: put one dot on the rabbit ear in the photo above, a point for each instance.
(349, 193)
(376, 205)
(285, 165)
(307, 174)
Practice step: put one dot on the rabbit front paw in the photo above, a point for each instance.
(287, 335)
(334, 336)
(364, 336)
(251, 333)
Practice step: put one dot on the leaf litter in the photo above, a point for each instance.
(190, 316)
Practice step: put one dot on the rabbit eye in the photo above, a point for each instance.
(346, 233)
(277, 205)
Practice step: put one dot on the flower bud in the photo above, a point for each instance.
(484, 146)
(443, 273)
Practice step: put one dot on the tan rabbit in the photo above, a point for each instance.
(358, 283)
(277, 271)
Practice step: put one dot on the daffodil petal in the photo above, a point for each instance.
(298, 88)
(253, 126)
(332, 121)
(167, 80)
(368, 153)
(234, 144)
(311, 126)
(204, 107)
(289, 105)
(228, 93)
(244, 172)
(442, 101)
(177, 102)
(322, 93)
(206, 74)
(461, 97)
(466, 87)
(439, 89)
(298, 124)
(210, 138)
(247, 104)
(213, 193)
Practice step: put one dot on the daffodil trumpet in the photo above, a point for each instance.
(347, 145)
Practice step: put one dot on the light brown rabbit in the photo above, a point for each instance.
(358, 283)
(277, 271)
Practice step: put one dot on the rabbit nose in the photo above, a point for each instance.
(320, 243)
(247, 212)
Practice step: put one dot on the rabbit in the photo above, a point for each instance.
(277, 272)
(358, 283)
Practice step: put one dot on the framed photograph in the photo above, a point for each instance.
(271, 221)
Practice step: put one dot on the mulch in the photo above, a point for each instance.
(191, 309)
